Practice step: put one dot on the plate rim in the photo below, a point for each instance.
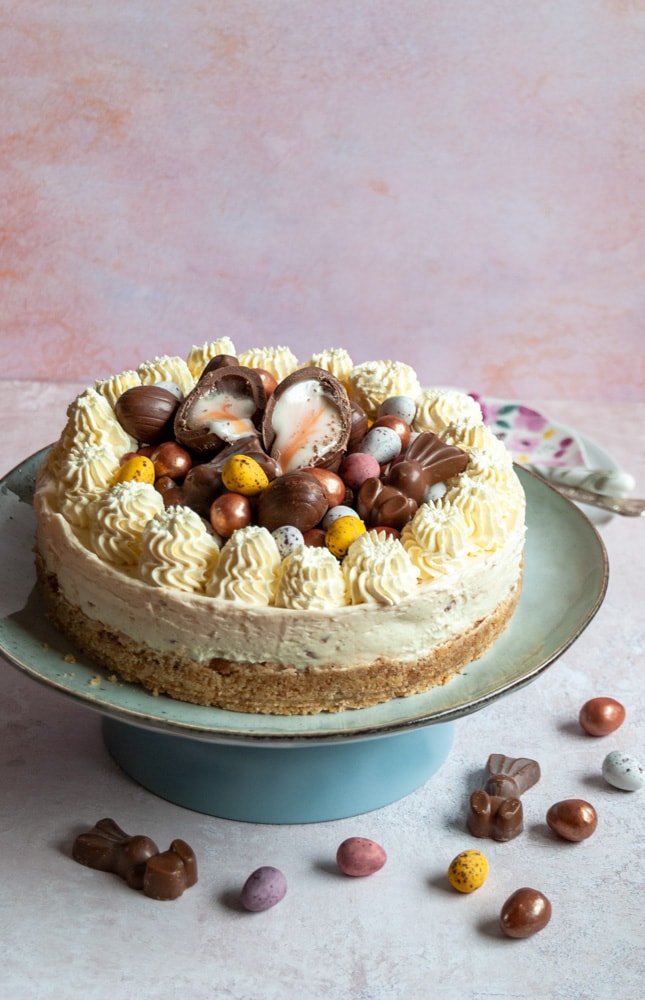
(225, 735)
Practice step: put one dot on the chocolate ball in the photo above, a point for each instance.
(572, 819)
(524, 913)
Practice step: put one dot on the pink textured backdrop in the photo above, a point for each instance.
(457, 184)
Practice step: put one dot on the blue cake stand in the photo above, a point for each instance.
(279, 784)
(302, 769)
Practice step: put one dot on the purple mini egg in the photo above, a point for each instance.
(264, 887)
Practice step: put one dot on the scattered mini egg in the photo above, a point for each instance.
(288, 538)
(398, 406)
(572, 819)
(623, 770)
(525, 912)
(264, 887)
(601, 716)
(381, 442)
(341, 533)
(334, 513)
(358, 856)
(242, 474)
(435, 492)
(468, 871)
(138, 469)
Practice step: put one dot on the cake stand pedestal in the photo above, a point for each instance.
(296, 783)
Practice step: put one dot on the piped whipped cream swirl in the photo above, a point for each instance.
(200, 355)
(118, 519)
(280, 361)
(84, 474)
(437, 539)
(247, 569)
(371, 383)
(116, 385)
(177, 550)
(311, 579)
(438, 408)
(378, 570)
(167, 368)
(335, 360)
(90, 422)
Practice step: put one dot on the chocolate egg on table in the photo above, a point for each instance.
(468, 871)
(264, 887)
(359, 856)
(572, 819)
(624, 771)
(601, 716)
(524, 913)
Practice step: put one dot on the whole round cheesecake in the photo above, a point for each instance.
(260, 534)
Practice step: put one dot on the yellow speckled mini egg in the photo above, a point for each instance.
(341, 533)
(468, 871)
(242, 474)
(137, 469)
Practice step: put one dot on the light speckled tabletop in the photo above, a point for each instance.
(68, 931)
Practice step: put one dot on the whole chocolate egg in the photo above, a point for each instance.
(296, 498)
(524, 913)
(146, 412)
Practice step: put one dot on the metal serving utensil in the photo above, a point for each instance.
(627, 506)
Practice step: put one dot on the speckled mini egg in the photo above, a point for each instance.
(398, 406)
(341, 533)
(468, 871)
(138, 469)
(171, 387)
(623, 770)
(357, 467)
(242, 474)
(288, 538)
(264, 887)
(334, 513)
(359, 856)
(381, 442)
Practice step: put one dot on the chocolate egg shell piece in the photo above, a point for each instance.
(359, 426)
(220, 361)
(307, 420)
(296, 498)
(440, 461)
(225, 405)
(146, 413)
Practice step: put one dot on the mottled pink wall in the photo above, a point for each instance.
(457, 184)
